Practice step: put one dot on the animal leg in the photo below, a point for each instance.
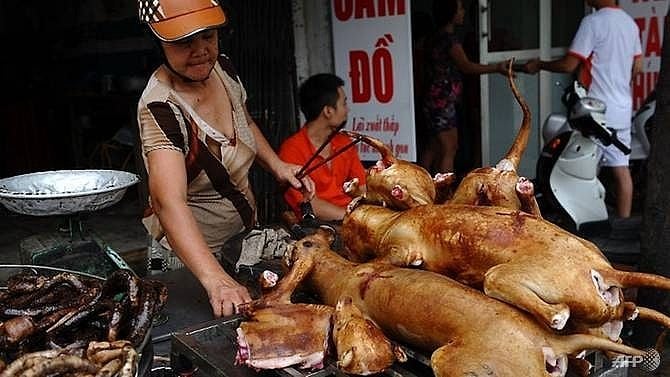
(483, 196)
(360, 197)
(513, 285)
(580, 367)
(386, 152)
(526, 193)
(402, 194)
(353, 188)
(301, 266)
(400, 257)
(472, 360)
(444, 186)
(630, 311)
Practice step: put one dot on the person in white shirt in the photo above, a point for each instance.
(607, 46)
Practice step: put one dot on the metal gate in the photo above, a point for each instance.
(260, 43)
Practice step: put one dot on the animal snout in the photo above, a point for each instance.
(609, 293)
(556, 365)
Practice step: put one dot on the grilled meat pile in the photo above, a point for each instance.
(68, 312)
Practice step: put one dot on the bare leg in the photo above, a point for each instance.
(449, 145)
(623, 190)
(430, 153)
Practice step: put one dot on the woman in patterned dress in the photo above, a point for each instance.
(446, 64)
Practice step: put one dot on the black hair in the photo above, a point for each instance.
(422, 25)
(444, 11)
(318, 91)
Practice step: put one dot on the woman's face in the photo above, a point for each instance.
(459, 17)
(194, 57)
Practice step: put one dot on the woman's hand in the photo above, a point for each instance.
(225, 296)
(285, 173)
(503, 67)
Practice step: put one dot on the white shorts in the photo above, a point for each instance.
(613, 156)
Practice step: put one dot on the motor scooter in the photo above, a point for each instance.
(567, 170)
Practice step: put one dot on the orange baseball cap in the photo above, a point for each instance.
(172, 20)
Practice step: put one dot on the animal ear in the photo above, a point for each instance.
(342, 302)
(329, 232)
(345, 300)
(399, 353)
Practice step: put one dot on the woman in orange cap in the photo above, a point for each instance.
(198, 143)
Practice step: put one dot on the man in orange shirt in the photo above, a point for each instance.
(324, 104)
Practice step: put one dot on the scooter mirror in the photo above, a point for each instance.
(585, 106)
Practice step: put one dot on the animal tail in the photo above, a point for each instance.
(647, 314)
(519, 146)
(387, 154)
(631, 279)
(573, 344)
(652, 315)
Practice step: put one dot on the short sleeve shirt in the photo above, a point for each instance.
(608, 40)
(219, 193)
(328, 180)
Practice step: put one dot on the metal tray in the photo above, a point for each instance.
(209, 350)
(64, 192)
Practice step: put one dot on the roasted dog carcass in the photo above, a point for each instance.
(517, 258)
(286, 334)
(400, 184)
(467, 332)
(391, 182)
(501, 185)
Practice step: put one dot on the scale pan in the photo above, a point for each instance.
(64, 192)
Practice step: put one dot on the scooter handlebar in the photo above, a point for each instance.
(608, 137)
(591, 127)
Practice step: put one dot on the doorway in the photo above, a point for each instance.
(522, 29)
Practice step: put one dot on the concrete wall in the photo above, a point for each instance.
(313, 37)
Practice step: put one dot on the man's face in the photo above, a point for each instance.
(194, 57)
(341, 109)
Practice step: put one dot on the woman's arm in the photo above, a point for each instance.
(167, 186)
(566, 64)
(468, 67)
(266, 156)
